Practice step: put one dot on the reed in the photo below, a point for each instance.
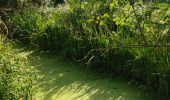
(129, 38)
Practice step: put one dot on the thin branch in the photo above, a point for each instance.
(125, 47)
(139, 25)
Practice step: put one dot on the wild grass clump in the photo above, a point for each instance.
(126, 37)
(16, 76)
(26, 23)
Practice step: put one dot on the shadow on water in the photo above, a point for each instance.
(63, 80)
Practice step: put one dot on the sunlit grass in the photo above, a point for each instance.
(16, 75)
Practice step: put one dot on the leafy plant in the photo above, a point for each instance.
(16, 76)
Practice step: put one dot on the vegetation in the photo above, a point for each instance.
(16, 76)
(129, 38)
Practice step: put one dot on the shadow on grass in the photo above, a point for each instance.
(62, 80)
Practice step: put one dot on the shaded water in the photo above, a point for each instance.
(62, 80)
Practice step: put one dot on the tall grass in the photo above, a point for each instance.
(16, 76)
(124, 37)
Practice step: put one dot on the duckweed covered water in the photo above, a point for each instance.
(59, 79)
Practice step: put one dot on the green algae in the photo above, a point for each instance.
(59, 79)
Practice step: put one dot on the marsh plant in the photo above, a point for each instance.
(16, 75)
(130, 38)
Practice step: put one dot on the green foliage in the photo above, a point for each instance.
(27, 23)
(16, 76)
(126, 37)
